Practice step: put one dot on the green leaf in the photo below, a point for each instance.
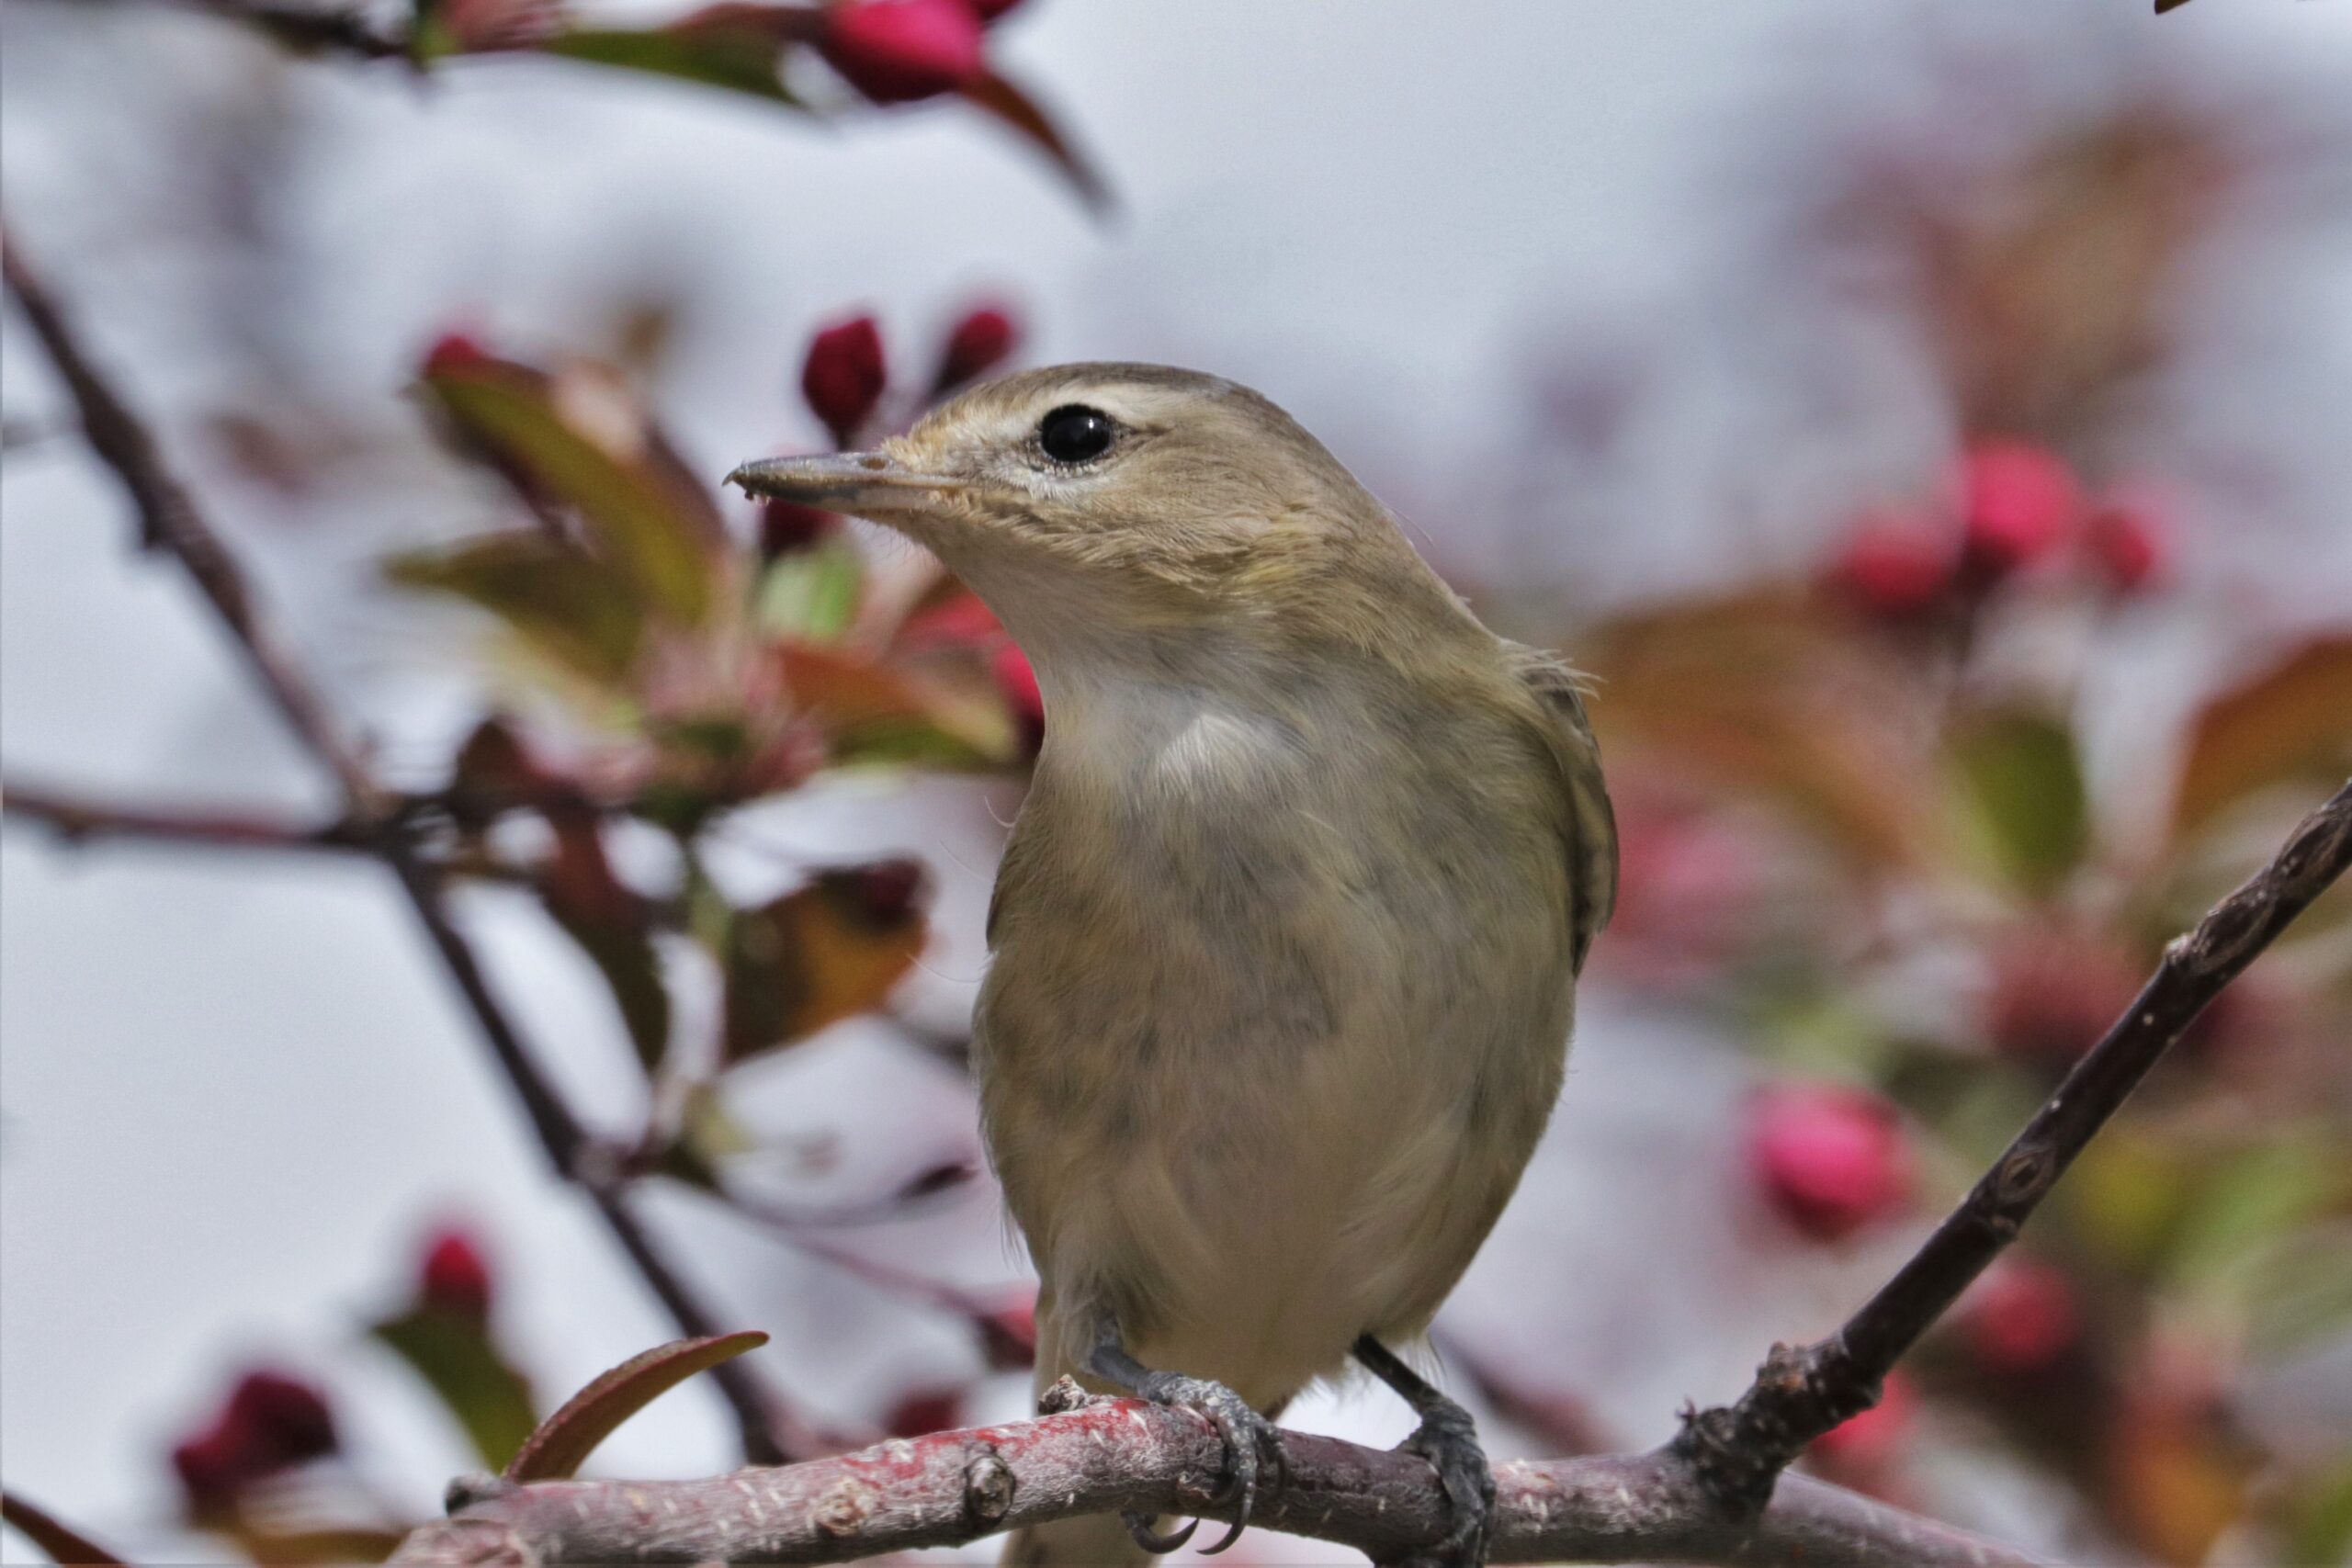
(2321, 1518)
(457, 1360)
(737, 62)
(563, 1442)
(579, 436)
(562, 604)
(2020, 775)
(63, 1543)
(812, 595)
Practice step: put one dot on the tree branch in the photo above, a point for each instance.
(1801, 1393)
(76, 818)
(1105, 1455)
(169, 519)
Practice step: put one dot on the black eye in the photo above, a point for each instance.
(1074, 434)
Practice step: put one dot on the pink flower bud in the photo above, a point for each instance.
(895, 52)
(2054, 993)
(2021, 1317)
(924, 1412)
(2018, 503)
(452, 352)
(2128, 547)
(988, 11)
(844, 375)
(455, 1278)
(977, 345)
(1898, 564)
(1867, 1442)
(1831, 1159)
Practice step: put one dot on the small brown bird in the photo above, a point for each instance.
(1286, 936)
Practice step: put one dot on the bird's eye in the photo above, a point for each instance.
(1075, 434)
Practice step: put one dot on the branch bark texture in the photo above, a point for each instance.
(1112, 1454)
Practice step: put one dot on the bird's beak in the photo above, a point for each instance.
(857, 483)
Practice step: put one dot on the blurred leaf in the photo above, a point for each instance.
(2175, 1478)
(559, 1446)
(814, 957)
(62, 1542)
(2293, 721)
(2024, 783)
(1764, 695)
(2286, 1177)
(2321, 1519)
(2127, 1196)
(456, 1358)
(2297, 1289)
(579, 436)
(872, 713)
(1015, 108)
(611, 924)
(564, 605)
(811, 595)
(738, 62)
(346, 1544)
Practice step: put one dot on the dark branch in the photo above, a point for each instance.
(1112, 1454)
(76, 818)
(169, 519)
(1801, 1393)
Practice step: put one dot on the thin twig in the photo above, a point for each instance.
(1098, 1456)
(169, 519)
(1801, 1393)
(76, 818)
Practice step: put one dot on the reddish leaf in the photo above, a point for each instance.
(2292, 720)
(611, 924)
(827, 951)
(1009, 104)
(565, 1440)
(64, 1543)
(580, 436)
(872, 713)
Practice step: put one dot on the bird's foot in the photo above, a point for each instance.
(1449, 1440)
(1253, 1454)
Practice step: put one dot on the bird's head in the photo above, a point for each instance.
(1094, 504)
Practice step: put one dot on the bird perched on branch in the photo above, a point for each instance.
(1286, 936)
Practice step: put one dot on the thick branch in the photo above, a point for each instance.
(170, 520)
(1113, 1454)
(1801, 1393)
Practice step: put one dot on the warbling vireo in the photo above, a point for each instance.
(1285, 938)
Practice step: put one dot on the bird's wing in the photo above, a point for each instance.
(1589, 825)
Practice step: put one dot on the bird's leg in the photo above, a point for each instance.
(1448, 1439)
(1253, 1452)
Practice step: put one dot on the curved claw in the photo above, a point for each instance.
(1248, 1436)
(1150, 1539)
(1449, 1443)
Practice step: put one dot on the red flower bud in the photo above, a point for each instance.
(2128, 547)
(844, 375)
(926, 1411)
(1017, 679)
(979, 345)
(960, 618)
(990, 11)
(786, 527)
(452, 352)
(455, 1278)
(895, 52)
(1898, 564)
(213, 1467)
(285, 1420)
(2021, 1317)
(2054, 994)
(1867, 1441)
(1008, 1333)
(2019, 502)
(1830, 1158)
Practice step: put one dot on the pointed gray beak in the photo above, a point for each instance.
(842, 481)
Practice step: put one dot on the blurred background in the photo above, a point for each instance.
(1926, 421)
